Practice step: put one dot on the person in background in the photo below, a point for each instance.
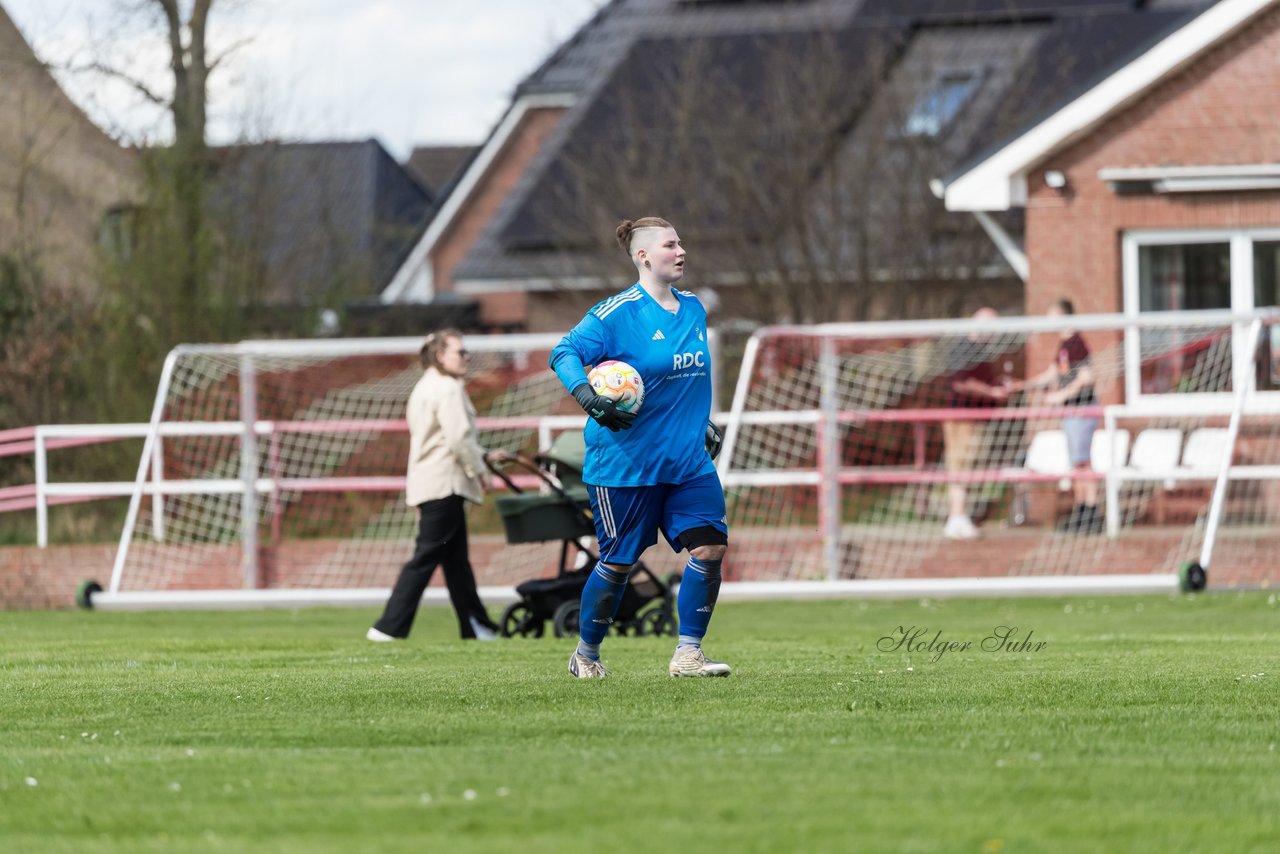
(972, 383)
(445, 469)
(1071, 379)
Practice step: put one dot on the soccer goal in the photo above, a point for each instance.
(849, 447)
(273, 471)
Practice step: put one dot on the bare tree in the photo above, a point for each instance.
(174, 222)
(188, 163)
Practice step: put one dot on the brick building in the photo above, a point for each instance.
(1157, 187)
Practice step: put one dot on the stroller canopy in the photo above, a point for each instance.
(568, 453)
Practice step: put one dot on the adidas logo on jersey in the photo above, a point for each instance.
(658, 336)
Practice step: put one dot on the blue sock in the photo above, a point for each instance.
(699, 588)
(601, 598)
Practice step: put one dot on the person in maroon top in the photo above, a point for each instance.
(971, 383)
(1071, 379)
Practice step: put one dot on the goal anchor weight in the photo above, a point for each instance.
(85, 593)
(1192, 577)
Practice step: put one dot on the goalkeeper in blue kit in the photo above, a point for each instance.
(652, 470)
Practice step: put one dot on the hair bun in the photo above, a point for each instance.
(624, 234)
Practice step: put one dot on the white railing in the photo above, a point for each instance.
(44, 493)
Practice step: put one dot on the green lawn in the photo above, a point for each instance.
(1142, 724)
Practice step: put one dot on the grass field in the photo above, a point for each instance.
(1141, 724)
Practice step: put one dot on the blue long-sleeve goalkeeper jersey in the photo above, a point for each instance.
(666, 442)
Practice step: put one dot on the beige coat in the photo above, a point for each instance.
(444, 457)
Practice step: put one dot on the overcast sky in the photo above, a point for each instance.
(408, 72)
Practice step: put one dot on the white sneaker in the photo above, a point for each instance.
(586, 668)
(960, 528)
(379, 637)
(691, 661)
(482, 631)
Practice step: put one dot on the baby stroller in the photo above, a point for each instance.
(562, 512)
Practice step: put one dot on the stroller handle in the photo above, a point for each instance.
(529, 465)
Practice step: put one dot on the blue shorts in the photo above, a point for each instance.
(628, 518)
(1079, 432)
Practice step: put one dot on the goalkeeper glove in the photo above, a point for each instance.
(603, 410)
(714, 440)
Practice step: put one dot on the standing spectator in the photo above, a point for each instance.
(971, 384)
(1072, 379)
(445, 466)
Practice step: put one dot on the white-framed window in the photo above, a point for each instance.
(1192, 270)
(938, 105)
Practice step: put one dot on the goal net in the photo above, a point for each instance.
(890, 452)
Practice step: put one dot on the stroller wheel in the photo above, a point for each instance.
(519, 620)
(657, 622)
(565, 619)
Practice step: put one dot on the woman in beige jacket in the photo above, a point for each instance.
(446, 464)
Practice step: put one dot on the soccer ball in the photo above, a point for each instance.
(619, 382)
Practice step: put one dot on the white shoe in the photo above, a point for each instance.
(586, 668)
(379, 637)
(960, 528)
(482, 631)
(691, 661)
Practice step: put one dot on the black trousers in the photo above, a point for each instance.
(442, 541)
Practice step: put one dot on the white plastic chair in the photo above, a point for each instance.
(1105, 443)
(1157, 449)
(1204, 450)
(1048, 454)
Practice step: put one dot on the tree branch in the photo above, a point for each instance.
(174, 21)
(116, 74)
(197, 25)
(217, 60)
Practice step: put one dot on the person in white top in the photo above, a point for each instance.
(445, 470)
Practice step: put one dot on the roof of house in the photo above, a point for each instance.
(437, 167)
(995, 178)
(332, 220)
(1028, 54)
